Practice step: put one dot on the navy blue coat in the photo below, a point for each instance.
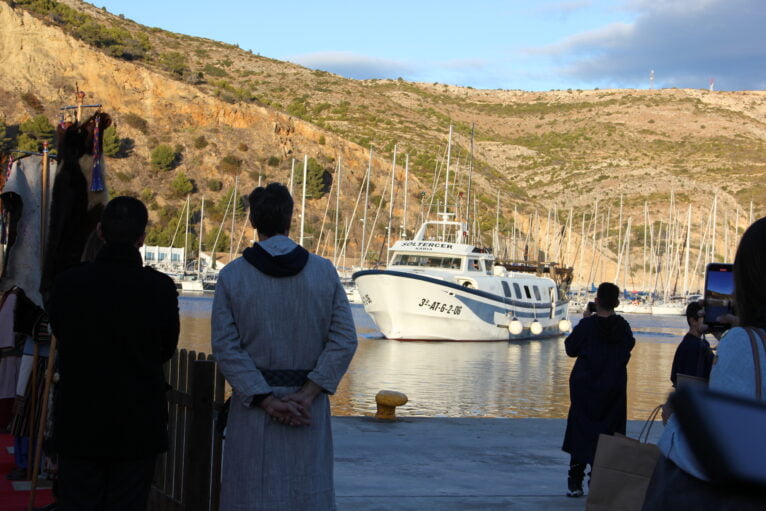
(117, 324)
(598, 383)
(693, 357)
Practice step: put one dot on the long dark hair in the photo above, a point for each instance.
(750, 276)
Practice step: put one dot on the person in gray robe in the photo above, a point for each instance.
(283, 335)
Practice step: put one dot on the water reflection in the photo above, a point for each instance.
(494, 379)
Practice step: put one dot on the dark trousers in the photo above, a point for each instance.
(104, 485)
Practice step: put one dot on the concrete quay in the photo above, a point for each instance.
(451, 464)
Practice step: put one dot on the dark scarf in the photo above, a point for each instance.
(286, 265)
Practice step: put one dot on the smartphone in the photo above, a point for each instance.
(719, 294)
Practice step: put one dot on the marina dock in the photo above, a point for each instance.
(451, 464)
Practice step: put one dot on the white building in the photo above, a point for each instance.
(165, 256)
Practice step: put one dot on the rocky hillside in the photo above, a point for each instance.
(222, 111)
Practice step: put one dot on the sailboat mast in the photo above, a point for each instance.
(201, 228)
(446, 180)
(364, 221)
(391, 203)
(233, 217)
(688, 249)
(337, 211)
(406, 184)
(186, 234)
(715, 221)
(303, 196)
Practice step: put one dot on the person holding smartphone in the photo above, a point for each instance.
(678, 481)
(693, 356)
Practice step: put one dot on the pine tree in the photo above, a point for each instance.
(5, 140)
(112, 142)
(33, 132)
(315, 184)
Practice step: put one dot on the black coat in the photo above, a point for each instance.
(598, 383)
(116, 323)
(693, 358)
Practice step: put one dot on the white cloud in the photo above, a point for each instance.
(686, 42)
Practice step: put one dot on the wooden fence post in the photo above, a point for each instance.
(199, 443)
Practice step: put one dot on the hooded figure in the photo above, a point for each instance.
(283, 336)
(597, 386)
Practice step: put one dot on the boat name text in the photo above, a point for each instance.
(441, 307)
(427, 245)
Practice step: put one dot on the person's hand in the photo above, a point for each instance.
(305, 397)
(286, 412)
(727, 319)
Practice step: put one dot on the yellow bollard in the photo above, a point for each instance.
(387, 401)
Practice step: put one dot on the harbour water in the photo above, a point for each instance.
(475, 379)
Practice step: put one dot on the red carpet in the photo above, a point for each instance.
(11, 500)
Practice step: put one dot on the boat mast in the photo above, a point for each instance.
(715, 221)
(201, 227)
(406, 184)
(337, 211)
(303, 197)
(233, 216)
(688, 249)
(186, 234)
(364, 221)
(391, 203)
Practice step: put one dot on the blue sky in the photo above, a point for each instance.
(513, 44)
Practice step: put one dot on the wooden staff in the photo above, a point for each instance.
(41, 428)
(52, 352)
(43, 230)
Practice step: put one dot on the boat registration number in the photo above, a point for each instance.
(441, 307)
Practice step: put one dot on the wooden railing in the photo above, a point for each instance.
(188, 475)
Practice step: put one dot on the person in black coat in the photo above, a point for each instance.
(602, 344)
(693, 356)
(117, 324)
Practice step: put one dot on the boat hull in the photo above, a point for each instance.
(407, 306)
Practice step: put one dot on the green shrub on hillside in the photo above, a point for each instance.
(230, 165)
(163, 157)
(216, 71)
(273, 161)
(200, 142)
(181, 185)
(214, 185)
(112, 143)
(174, 62)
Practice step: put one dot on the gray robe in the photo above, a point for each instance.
(263, 322)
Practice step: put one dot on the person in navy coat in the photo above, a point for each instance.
(602, 344)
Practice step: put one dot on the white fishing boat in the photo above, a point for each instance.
(438, 288)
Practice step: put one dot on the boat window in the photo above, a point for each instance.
(506, 289)
(537, 293)
(427, 261)
(526, 290)
(517, 290)
(474, 265)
